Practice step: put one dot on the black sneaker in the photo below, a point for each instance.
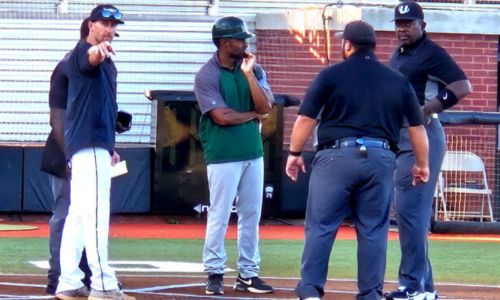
(404, 293)
(51, 288)
(215, 284)
(253, 285)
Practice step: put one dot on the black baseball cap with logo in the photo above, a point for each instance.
(408, 10)
(106, 12)
(358, 32)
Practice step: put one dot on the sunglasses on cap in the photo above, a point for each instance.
(110, 12)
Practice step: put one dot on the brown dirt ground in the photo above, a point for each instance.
(166, 287)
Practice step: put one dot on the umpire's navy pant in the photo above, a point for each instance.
(342, 180)
(413, 206)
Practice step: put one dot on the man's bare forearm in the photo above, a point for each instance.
(57, 124)
(227, 116)
(262, 99)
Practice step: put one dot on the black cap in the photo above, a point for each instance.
(106, 12)
(358, 32)
(408, 10)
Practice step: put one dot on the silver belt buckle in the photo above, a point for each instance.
(362, 147)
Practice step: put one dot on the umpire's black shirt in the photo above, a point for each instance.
(360, 97)
(53, 159)
(428, 67)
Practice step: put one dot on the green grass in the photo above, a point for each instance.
(459, 262)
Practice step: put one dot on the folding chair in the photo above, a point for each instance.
(462, 174)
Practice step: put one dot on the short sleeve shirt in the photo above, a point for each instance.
(360, 97)
(428, 66)
(218, 87)
(53, 159)
(58, 92)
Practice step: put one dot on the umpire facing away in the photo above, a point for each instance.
(360, 104)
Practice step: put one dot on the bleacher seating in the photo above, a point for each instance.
(147, 7)
(43, 6)
(149, 55)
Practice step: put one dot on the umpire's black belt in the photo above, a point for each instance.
(356, 142)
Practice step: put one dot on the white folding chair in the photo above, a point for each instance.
(463, 173)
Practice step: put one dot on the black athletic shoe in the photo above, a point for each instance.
(51, 289)
(404, 293)
(215, 284)
(253, 285)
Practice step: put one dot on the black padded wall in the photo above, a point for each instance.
(11, 162)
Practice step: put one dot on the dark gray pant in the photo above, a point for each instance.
(60, 191)
(413, 206)
(342, 180)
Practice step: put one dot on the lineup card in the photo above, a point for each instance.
(119, 169)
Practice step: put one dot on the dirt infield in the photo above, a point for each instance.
(166, 287)
(156, 230)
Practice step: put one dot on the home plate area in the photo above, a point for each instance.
(171, 286)
(157, 280)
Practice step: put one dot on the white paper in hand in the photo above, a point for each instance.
(119, 169)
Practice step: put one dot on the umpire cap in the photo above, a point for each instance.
(408, 10)
(358, 32)
(230, 28)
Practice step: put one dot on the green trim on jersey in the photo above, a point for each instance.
(233, 142)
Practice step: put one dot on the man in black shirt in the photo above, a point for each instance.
(360, 104)
(439, 84)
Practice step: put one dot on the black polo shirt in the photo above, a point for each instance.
(53, 159)
(91, 108)
(428, 67)
(58, 92)
(360, 97)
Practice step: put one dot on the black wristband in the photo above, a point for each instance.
(294, 153)
(447, 98)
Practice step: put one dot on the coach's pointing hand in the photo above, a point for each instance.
(99, 52)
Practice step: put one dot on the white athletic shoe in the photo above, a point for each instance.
(76, 294)
(109, 295)
(431, 295)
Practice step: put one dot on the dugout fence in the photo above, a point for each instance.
(468, 191)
